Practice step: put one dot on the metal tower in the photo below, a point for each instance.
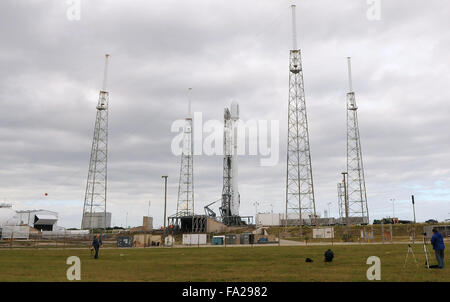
(358, 210)
(185, 204)
(341, 201)
(94, 209)
(229, 209)
(299, 180)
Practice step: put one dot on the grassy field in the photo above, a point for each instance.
(285, 263)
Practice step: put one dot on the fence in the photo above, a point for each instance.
(381, 233)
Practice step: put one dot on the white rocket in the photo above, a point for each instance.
(235, 199)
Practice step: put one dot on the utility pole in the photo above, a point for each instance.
(149, 203)
(414, 211)
(329, 214)
(165, 205)
(393, 208)
(299, 179)
(165, 198)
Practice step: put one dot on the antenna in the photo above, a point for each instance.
(349, 63)
(294, 32)
(105, 74)
(189, 102)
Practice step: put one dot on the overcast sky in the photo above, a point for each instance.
(51, 70)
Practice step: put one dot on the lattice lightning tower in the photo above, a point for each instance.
(358, 210)
(299, 180)
(95, 197)
(185, 204)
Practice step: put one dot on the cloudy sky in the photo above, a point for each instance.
(51, 70)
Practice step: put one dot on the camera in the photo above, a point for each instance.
(424, 234)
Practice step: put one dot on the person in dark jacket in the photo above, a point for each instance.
(438, 246)
(329, 255)
(96, 244)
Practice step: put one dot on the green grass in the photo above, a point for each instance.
(285, 263)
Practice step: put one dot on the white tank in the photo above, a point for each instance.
(8, 216)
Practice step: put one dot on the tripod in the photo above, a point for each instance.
(426, 251)
(410, 250)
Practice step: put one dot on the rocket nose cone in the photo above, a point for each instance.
(234, 110)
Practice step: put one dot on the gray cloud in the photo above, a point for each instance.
(51, 71)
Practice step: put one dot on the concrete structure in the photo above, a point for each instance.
(96, 220)
(269, 219)
(323, 233)
(42, 220)
(147, 223)
(194, 239)
(145, 240)
(277, 219)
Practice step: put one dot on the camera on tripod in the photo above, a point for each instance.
(424, 234)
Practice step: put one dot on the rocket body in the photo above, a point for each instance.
(235, 198)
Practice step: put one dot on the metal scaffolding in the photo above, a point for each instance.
(185, 204)
(299, 181)
(358, 210)
(96, 187)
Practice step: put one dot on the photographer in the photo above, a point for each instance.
(438, 246)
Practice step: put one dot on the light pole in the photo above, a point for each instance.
(165, 206)
(329, 213)
(165, 200)
(345, 198)
(414, 211)
(256, 204)
(271, 213)
(393, 207)
(149, 203)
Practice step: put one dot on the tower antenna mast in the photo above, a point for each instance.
(358, 210)
(185, 204)
(300, 199)
(94, 210)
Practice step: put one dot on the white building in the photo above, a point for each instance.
(269, 219)
(42, 220)
(8, 217)
(277, 219)
(17, 224)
